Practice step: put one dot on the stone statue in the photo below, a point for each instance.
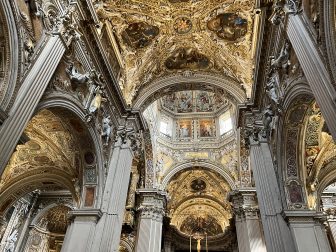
(96, 101)
(75, 76)
(11, 241)
(267, 118)
(106, 129)
(272, 89)
(278, 14)
(95, 98)
(77, 186)
(283, 58)
(28, 50)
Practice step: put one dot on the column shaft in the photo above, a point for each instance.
(314, 69)
(29, 95)
(108, 231)
(277, 233)
(249, 230)
(332, 227)
(149, 235)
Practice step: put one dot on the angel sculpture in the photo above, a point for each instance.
(75, 76)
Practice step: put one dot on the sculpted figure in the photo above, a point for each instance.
(267, 118)
(271, 89)
(11, 241)
(96, 101)
(107, 128)
(283, 58)
(76, 76)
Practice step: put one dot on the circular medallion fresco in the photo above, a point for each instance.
(182, 25)
(198, 185)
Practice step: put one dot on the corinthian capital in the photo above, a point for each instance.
(153, 203)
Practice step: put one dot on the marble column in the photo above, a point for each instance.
(308, 232)
(32, 88)
(314, 68)
(332, 229)
(248, 225)
(167, 243)
(3, 225)
(277, 234)
(108, 230)
(25, 229)
(149, 234)
(80, 232)
(10, 236)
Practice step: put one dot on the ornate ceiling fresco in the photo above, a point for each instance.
(54, 149)
(194, 101)
(197, 202)
(160, 37)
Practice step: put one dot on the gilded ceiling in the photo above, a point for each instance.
(197, 202)
(160, 37)
(53, 149)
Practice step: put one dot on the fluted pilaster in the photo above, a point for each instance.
(314, 68)
(248, 226)
(150, 224)
(108, 230)
(29, 95)
(277, 233)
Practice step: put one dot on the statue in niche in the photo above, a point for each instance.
(267, 118)
(106, 129)
(95, 103)
(140, 34)
(10, 247)
(283, 59)
(77, 186)
(187, 58)
(75, 76)
(95, 97)
(28, 50)
(272, 89)
(228, 26)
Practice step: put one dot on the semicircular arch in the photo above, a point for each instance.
(176, 82)
(33, 180)
(68, 103)
(207, 165)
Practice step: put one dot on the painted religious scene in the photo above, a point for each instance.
(194, 101)
(187, 58)
(228, 26)
(139, 35)
(185, 128)
(207, 128)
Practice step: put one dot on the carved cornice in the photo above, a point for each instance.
(85, 214)
(304, 216)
